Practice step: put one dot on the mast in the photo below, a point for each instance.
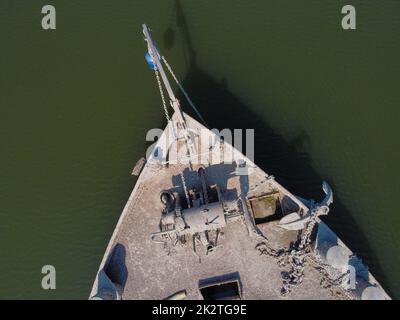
(174, 102)
(156, 60)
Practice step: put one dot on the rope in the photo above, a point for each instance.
(183, 91)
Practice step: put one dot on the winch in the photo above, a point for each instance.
(203, 219)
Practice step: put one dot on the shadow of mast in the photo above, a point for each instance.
(284, 159)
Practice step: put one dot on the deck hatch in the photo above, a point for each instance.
(265, 207)
(225, 287)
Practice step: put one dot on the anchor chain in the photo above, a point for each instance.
(185, 189)
(162, 95)
(297, 256)
(169, 121)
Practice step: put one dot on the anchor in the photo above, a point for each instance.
(294, 221)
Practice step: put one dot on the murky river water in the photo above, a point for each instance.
(76, 103)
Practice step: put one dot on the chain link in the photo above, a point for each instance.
(162, 95)
(185, 189)
(297, 256)
(169, 121)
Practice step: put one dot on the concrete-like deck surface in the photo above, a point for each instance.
(144, 269)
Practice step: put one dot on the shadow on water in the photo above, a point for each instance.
(276, 155)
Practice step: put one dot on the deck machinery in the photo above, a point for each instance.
(200, 219)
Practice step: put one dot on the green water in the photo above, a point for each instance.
(76, 104)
